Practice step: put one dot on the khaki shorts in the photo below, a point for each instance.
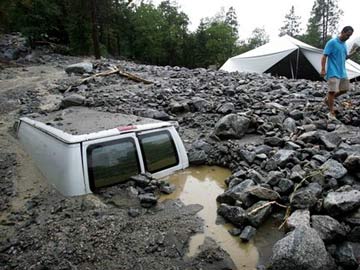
(338, 85)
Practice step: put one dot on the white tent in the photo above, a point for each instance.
(285, 56)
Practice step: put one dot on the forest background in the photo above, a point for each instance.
(157, 35)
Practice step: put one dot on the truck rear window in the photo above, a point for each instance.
(158, 150)
(112, 162)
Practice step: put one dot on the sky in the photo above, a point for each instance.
(267, 14)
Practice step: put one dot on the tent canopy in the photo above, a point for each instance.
(285, 56)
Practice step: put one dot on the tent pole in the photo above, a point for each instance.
(292, 70)
(297, 62)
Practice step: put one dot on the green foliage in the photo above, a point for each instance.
(140, 31)
(258, 38)
(78, 26)
(323, 22)
(37, 19)
(148, 25)
(291, 25)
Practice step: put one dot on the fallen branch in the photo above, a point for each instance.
(110, 72)
(266, 204)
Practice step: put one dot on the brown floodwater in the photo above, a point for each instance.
(201, 185)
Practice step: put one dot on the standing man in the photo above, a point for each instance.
(335, 53)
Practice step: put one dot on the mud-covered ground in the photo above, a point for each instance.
(40, 229)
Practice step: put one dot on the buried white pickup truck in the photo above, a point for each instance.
(80, 150)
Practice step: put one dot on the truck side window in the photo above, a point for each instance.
(112, 162)
(159, 151)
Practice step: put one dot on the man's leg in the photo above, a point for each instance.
(331, 101)
(333, 84)
(344, 87)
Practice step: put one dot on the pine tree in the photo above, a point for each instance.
(231, 20)
(324, 19)
(291, 24)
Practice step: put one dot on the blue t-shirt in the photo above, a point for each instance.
(336, 53)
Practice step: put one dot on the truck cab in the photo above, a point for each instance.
(80, 150)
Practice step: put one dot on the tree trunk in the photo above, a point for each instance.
(95, 36)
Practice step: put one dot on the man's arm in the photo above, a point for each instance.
(323, 63)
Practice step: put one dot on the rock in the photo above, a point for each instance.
(247, 233)
(298, 218)
(72, 100)
(235, 214)
(301, 249)
(148, 200)
(197, 157)
(333, 169)
(337, 203)
(283, 156)
(285, 186)
(256, 218)
(264, 193)
(79, 68)
(329, 229)
(141, 180)
(352, 163)
(344, 256)
(330, 139)
(306, 198)
(167, 188)
(231, 195)
(226, 108)
(232, 126)
(289, 124)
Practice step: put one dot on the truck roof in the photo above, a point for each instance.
(77, 124)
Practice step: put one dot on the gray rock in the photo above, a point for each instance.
(257, 217)
(264, 193)
(301, 249)
(167, 188)
(232, 126)
(336, 203)
(79, 68)
(329, 229)
(235, 214)
(148, 200)
(247, 233)
(344, 256)
(298, 218)
(285, 186)
(72, 100)
(283, 156)
(306, 198)
(290, 124)
(199, 104)
(235, 193)
(352, 163)
(226, 108)
(197, 157)
(331, 140)
(141, 180)
(333, 169)
(248, 156)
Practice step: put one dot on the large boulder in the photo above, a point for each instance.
(79, 68)
(301, 249)
(232, 126)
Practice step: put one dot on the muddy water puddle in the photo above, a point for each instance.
(201, 185)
